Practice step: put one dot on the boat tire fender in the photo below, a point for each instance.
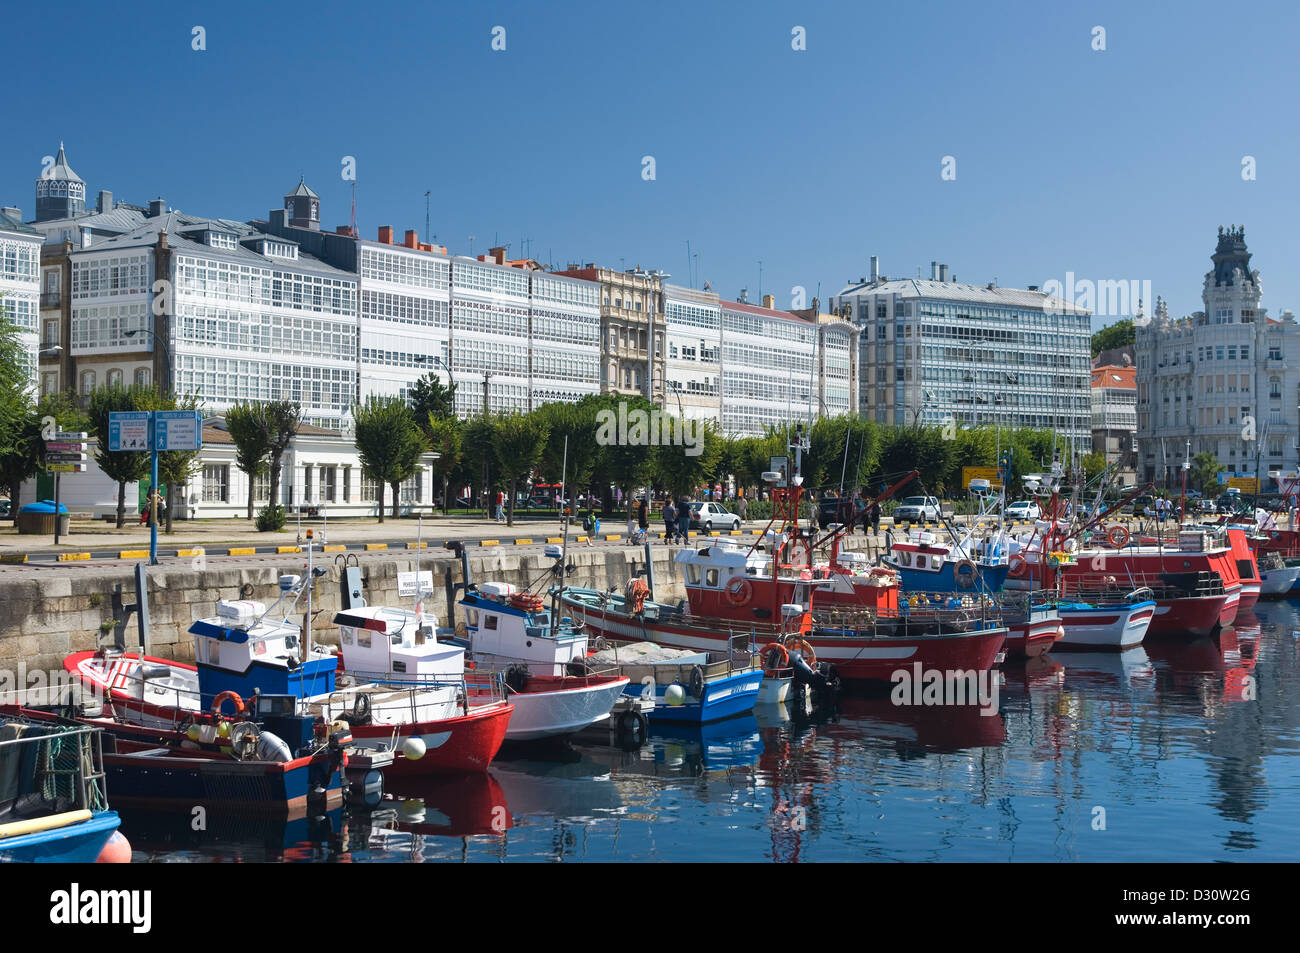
(697, 682)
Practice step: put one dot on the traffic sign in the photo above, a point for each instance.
(128, 430)
(72, 437)
(65, 458)
(64, 447)
(66, 467)
(178, 429)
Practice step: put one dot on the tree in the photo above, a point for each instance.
(577, 422)
(121, 466)
(625, 464)
(444, 438)
(1094, 463)
(517, 442)
(1204, 474)
(250, 429)
(282, 420)
(18, 448)
(680, 467)
(429, 398)
(477, 455)
(1119, 334)
(389, 443)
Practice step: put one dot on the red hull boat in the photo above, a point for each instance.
(452, 745)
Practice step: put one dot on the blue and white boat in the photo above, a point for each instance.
(53, 806)
(924, 564)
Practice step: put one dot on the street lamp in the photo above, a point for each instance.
(167, 357)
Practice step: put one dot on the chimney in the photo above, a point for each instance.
(875, 268)
(279, 218)
(385, 234)
(497, 254)
(105, 200)
(943, 272)
(157, 207)
(769, 302)
(343, 230)
(412, 238)
(1033, 287)
(14, 212)
(934, 271)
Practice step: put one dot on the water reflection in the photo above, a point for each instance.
(1168, 751)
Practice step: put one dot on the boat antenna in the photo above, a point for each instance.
(419, 545)
(564, 531)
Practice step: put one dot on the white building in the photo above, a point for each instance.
(692, 364)
(934, 351)
(20, 283)
(769, 365)
(1227, 379)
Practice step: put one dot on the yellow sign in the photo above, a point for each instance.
(980, 473)
(1244, 484)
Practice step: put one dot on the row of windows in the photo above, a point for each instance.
(208, 278)
(781, 329)
(110, 276)
(565, 291)
(266, 334)
(224, 381)
(19, 261)
(557, 326)
(476, 354)
(490, 319)
(566, 365)
(777, 359)
(20, 309)
(694, 315)
(112, 377)
(403, 309)
(417, 271)
(487, 278)
(105, 326)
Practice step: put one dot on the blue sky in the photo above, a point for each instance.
(1115, 165)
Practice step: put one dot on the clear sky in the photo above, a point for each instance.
(1115, 164)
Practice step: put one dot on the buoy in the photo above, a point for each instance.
(192, 732)
(674, 695)
(223, 730)
(414, 748)
(116, 851)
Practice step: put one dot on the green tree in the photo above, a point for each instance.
(478, 459)
(1204, 474)
(177, 467)
(389, 443)
(577, 422)
(1119, 334)
(682, 467)
(18, 450)
(518, 441)
(1094, 463)
(121, 466)
(620, 462)
(444, 438)
(250, 429)
(283, 418)
(430, 398)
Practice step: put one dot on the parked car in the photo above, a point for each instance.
(916, 509)
(835, 509)
(1024, 510)
(706, 516)
(4, 507)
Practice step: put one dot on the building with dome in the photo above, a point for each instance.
(1223, 381)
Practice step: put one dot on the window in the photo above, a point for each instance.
(87, 382)
(215, 479)
(328, 477)
(115, 378)
(347, 484)
(142, 376)
(262, 488)
(306, 484)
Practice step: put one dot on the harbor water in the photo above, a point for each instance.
(1167, 752)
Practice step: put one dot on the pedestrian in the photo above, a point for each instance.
(875, 517)
(683, 520)
(742, 505)
(670, 522)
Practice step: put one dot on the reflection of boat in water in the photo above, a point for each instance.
(579, 787)
(233, 835)
(1131, 667)
(449, 806)
(875, 720)
(733, 743)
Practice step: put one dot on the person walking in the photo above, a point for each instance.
(742, 506)
(874, 512)
(670, 522)
(683, 520)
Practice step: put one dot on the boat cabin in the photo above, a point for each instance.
(240, 651)
(507, 625)
(387, 643)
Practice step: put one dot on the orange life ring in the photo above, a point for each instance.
(802, 645)
(1017, 567)
(739, 591)
(785, 656)
(1118, 536)
(233, 696)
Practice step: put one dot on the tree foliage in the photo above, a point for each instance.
(250, 429)
(389, 443)
(518, 441)
(1119, 334)
(121, 466)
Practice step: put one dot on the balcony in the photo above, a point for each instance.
(51, 299)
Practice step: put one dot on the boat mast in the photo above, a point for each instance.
(564, 531)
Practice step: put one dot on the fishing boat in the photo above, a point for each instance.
(428, 722)
(1276, 577)
(220, 764)
(53, 803)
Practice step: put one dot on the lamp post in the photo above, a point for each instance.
(167, 357)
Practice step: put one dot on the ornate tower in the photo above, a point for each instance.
(303, 207)
(60, 192)
(1231, 293)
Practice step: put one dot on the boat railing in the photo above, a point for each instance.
(1100, 586)
(958, 610)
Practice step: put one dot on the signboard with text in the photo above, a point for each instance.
(128, 430)
(980, 473)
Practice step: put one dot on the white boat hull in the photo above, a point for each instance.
(555, 714)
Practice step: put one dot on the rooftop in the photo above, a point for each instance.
(953, 291)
